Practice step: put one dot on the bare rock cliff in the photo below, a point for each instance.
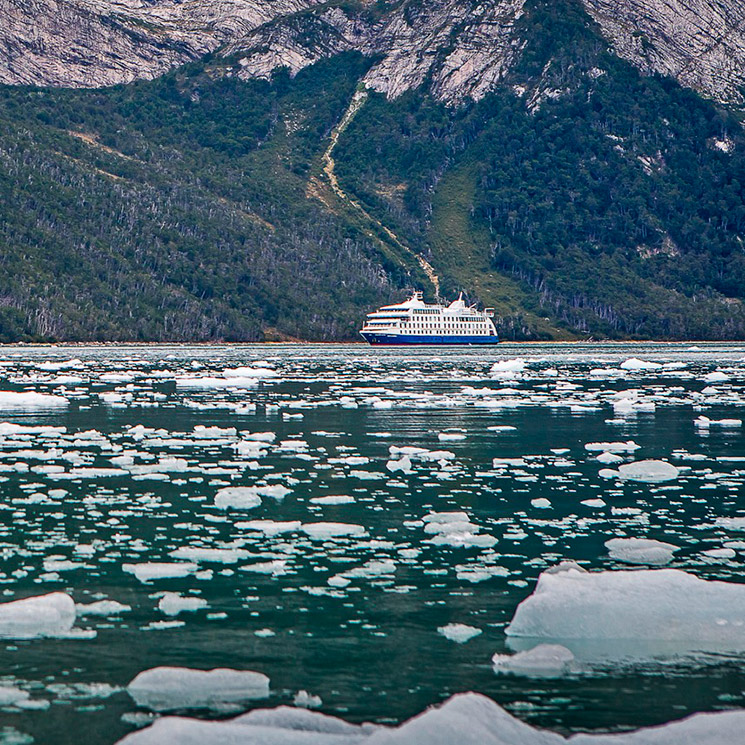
(701, 43)
(91, 43)
(460, 48)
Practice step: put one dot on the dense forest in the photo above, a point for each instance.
(581, 199)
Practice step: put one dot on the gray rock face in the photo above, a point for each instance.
(701, 43)
(464, 50)
(461, 48)
(91, 43)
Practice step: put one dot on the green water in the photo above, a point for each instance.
(370, 649)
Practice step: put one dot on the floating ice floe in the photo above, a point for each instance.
(172, 603)
(719, 553)
(216, 382)
(30, 400)
(451, 436)
(646, 471)
(323, 531)
(613, 447)
(543, 660)
(478, 572)
(306, 700)
(148, 571)
(60, 364)
(173, 688)
(606, 458)
(703, 422)
(421, 454)
(43, 615)
(640, 550)
(101, 608)
(250, 372)
(730, 523)
(402, 464)
(509, 366)
(332, 499)
(216, 555)
(455, 529)
(634, 363)
(237, 498)
(275, 568)
(594, 503)
(459, 632)
(270, 527)
(466, 719)
(663, 605)
(716, 377)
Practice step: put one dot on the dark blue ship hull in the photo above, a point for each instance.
(412, 340)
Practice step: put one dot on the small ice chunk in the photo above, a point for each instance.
(402, 464)
(172, 603)
(270, 527)
(594, 503)
(720, 553)
(332, 499)
(458, 632)
(250, 372)
(306, 700)
(211, 382)
(505, 366)
(451, 436)
(148, 571)
(42, 615)
(102, 608)
(613, 447)
(30, 400)
(648, 471)
(323, 531)
(541, 503)
(173, 688)
(543, 660)
(607, 457)
(730, 523)
(12, 696)
(633, 363)
(640, 550)
(703, 422)
(237, 498)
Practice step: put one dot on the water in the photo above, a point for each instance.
(370, 648)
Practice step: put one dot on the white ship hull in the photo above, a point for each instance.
(414, 323)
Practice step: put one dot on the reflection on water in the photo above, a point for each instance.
(122, 476)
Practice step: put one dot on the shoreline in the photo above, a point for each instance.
(360, 344)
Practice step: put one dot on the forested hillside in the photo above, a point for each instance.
(578, 196)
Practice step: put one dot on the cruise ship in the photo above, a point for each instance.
(416, 322)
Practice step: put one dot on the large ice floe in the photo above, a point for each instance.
(176, 688)
(640, 550)
(30, 400)
(43, 615)
(543, 660)
(465, 719)
(646, 605)
(646, 471)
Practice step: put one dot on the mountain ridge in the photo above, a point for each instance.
(501, 148)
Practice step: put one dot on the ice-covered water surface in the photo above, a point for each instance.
(359, 526)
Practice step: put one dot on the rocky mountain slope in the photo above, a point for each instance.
(461, 48)
(272, 169)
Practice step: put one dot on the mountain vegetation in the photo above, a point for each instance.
(579, 197)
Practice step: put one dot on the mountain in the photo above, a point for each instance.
(243, 170)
